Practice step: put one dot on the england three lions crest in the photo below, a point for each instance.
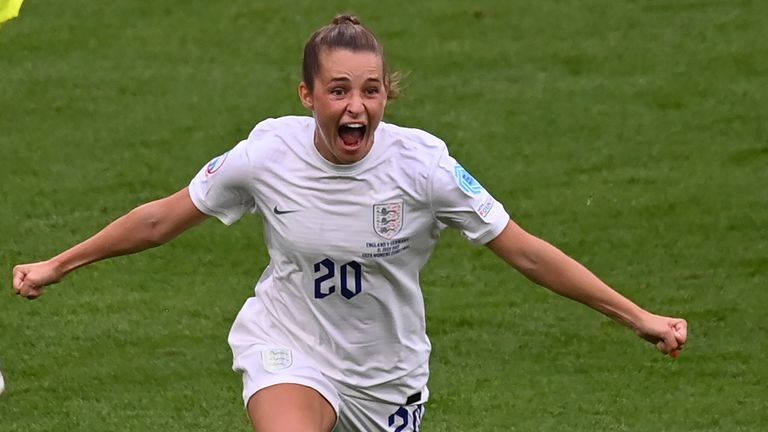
(388, 219)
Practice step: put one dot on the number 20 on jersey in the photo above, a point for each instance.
(350, 280)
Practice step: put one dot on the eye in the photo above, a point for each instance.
(338, 91)
(372, 91)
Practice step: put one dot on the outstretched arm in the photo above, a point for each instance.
(546, 265)
(144, 227)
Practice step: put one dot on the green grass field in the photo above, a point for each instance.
(632, 134)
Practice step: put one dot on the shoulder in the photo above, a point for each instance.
(271, 137)
(281, 127)
(415, 150)
(413, 138)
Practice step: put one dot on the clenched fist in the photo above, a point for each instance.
(30, 280)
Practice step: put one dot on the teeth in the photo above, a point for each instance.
(354, 125)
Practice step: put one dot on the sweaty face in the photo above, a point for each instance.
(348, 100)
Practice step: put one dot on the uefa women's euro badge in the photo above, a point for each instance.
(215, 164)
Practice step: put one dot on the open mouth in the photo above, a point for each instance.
(352, 134)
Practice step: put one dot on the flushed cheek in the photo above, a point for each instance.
(328, 127)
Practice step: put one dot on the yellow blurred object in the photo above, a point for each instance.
(9, 9)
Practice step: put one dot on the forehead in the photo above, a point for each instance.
(336, 63)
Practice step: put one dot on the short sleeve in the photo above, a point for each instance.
(461, 202)
(222, 187)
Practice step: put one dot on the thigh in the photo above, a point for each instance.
(290, 407)
(284, 390)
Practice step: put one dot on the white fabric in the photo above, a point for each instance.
(342, 283)
(259, 370)
(301, 369)
(358, 415)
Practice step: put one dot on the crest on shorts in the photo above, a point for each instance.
(275, 359)
(388, 219)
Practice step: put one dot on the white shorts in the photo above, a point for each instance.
(265, 365)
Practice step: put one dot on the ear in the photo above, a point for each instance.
(305, 95)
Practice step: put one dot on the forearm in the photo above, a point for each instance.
(145, 227)
(546, 265)
(553, 269)
(133, 232)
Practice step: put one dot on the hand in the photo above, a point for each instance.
(668, 334)
(30, 280)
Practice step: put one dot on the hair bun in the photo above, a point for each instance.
(346, 19)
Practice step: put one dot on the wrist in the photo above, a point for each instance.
(639, 319)
(630, 315)
(60, 266)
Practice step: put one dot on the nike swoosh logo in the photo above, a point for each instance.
(277, 211)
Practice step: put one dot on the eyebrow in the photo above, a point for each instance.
(347, 80)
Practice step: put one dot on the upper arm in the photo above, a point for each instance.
(515, 246)
(224, 187)
(172, 215)
(461, 202)
(183, 211)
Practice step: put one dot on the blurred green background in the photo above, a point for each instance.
(631, 134)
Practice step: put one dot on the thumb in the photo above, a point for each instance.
(19, 275)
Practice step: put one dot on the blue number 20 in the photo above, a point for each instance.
(399, 419)
(325, 271)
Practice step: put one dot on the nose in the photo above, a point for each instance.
(355, 106)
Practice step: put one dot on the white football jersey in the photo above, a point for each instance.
(346, 245)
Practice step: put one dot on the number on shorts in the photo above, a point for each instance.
(401, 418)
